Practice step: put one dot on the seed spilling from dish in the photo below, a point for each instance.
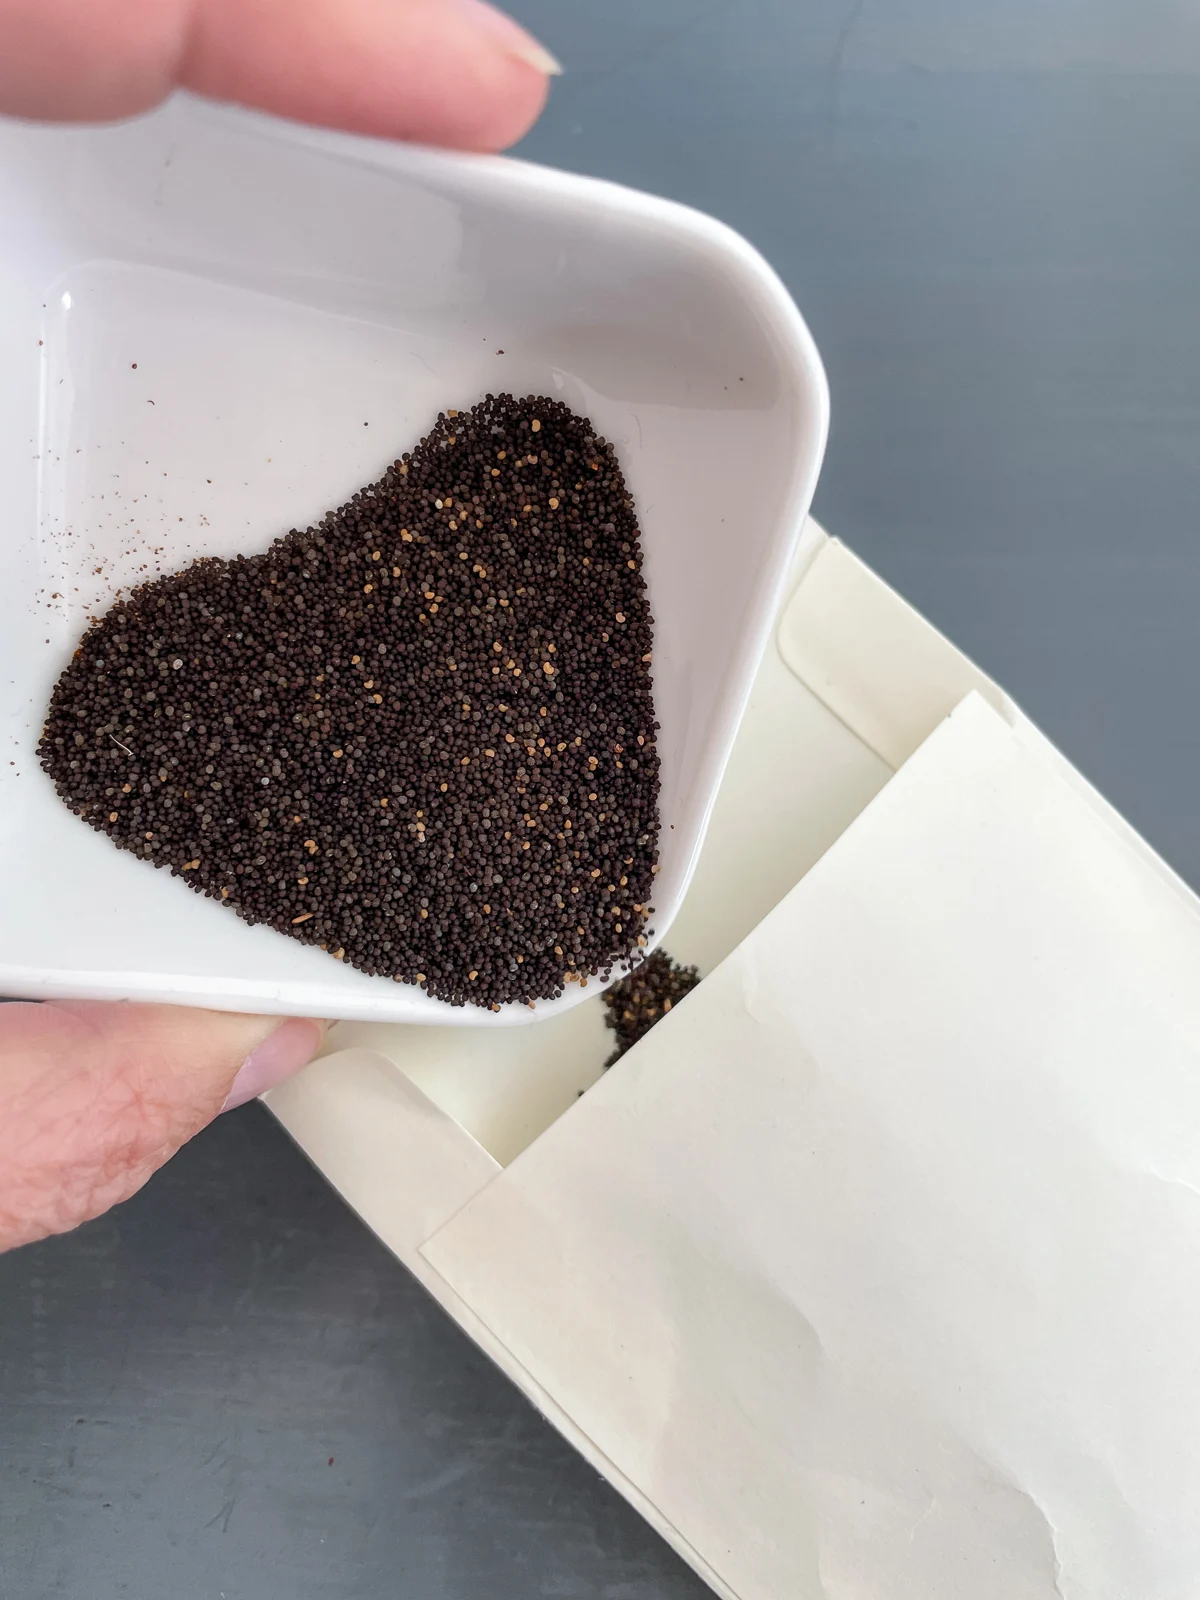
(644, 998)
(419, 734)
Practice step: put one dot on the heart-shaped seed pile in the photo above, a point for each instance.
(419, 734)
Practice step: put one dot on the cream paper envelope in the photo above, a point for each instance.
(873, 1271)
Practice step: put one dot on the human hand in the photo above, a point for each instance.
(448, 72)
(93, 1098)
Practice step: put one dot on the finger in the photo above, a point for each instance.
(441, 71)
(94, 1098)
(451, 72)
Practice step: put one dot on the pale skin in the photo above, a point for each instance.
(95, 1097)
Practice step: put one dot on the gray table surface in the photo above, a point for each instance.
(990, 215)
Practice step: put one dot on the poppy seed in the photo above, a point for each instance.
(485, 749)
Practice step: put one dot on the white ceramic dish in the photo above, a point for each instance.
(215, 327)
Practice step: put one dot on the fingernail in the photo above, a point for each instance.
(509, 34)
(281, 1054)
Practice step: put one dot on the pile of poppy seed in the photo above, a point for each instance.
(419, 735)
(635, 1004)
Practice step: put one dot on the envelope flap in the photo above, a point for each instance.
(876, 1266)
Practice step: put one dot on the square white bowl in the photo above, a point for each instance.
(215, 327)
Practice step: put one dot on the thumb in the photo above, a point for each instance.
(95, 1097)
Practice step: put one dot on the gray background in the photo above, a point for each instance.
(990, 215)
